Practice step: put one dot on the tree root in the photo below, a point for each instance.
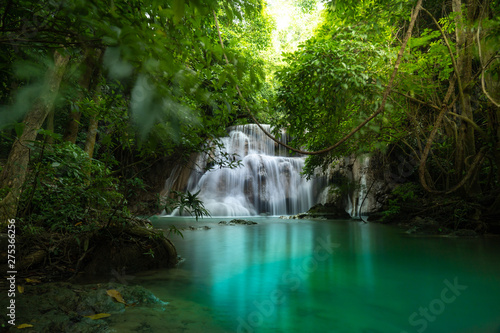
(32, 259)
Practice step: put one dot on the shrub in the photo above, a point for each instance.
(65, 190)
(401, 195)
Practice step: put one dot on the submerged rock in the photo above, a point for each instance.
(204, 227)
(237, 221)
(63, 307)
(299, 216)
(226, 223)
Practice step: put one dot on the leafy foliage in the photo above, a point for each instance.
(160, 51)
(331, 84)
(187, 202)
(69, 192)
(159, 87)
(401, 195)
(428, 66)
(373, 12)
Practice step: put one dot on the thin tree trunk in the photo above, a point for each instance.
(14, 173)
(91, 136)
(50, 127)
(93, 124)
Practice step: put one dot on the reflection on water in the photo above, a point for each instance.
(327, 276)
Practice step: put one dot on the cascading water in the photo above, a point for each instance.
(267, 181)
(359, 200)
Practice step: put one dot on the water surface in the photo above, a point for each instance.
(323, 276)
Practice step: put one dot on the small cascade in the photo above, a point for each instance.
(351, 184)
(359, 200)
(268, 181)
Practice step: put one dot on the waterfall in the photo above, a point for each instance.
(359, 201)
(268, 180)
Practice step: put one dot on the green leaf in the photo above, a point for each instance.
(222, 79)
(19, 128)
(179, 10)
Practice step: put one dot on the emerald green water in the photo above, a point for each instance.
(324, 276)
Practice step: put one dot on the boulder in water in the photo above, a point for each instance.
(329, 211)
(237, 221)
(204, 227)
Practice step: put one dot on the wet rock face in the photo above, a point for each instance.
(356, 184)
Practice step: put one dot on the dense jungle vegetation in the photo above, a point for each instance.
(99, 97)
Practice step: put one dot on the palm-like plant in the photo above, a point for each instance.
(188, 202)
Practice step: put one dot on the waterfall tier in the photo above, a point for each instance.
(268, 180)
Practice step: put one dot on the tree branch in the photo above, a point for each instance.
(417, 100)
(430, 139)
(483, 85)
(478, 160)
(472, 123)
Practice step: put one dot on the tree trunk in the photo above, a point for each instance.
(466, 146)
(91, 62)
(490, 85)
(14, 173)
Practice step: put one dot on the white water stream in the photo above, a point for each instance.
(267, 182)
